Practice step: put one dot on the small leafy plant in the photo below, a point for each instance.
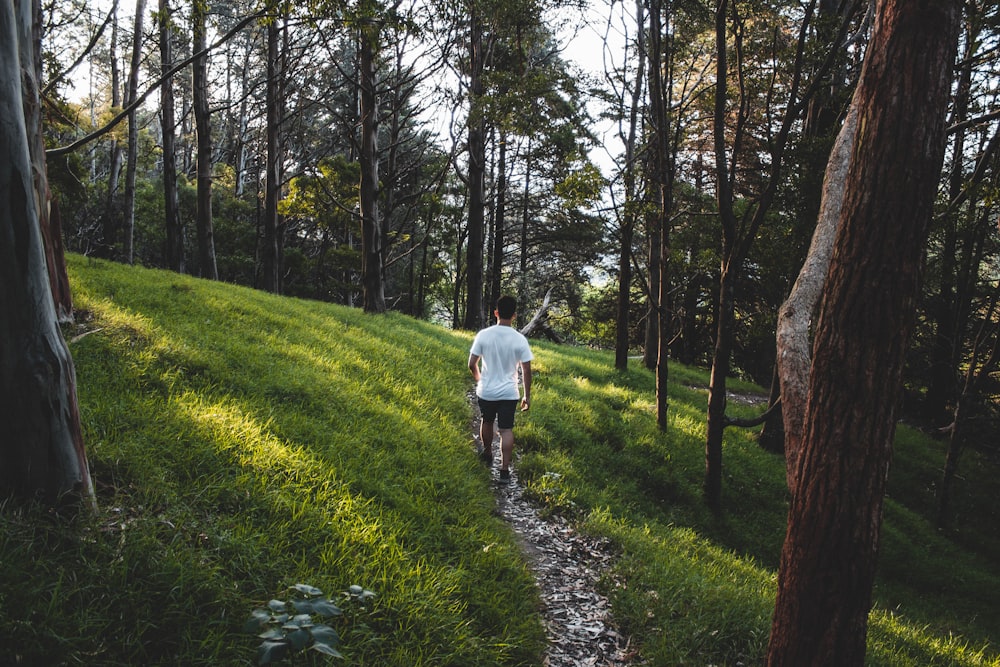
(288, 627)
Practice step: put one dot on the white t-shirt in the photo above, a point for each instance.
(502, 349)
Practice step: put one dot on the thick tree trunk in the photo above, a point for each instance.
(203, 123)
(867, 313)
(41, 443)
(171, 207)
(371, 225)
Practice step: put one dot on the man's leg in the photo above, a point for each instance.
(486, 436)
(506, 447)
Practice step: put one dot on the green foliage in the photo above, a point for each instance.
(290, 626)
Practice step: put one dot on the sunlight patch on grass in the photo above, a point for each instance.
(896, 642)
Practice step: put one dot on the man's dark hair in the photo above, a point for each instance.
(506, 307)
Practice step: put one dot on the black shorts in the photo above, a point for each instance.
(499, 411)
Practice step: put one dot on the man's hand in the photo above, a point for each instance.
(525, 404)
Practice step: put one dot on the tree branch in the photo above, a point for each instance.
(96, 134)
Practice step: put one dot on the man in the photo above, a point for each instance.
(502, 349)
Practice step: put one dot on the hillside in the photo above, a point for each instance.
(243, 443)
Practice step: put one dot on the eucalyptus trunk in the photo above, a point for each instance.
(41, 442)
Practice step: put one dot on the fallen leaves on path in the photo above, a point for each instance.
(567, 566)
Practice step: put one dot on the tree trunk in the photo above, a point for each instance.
(822, 115)
(650, 345)
(867, 313)
(41, 443)
(475, 313)
(203, 123)
(721, 353)
(662, 185)
(499, 224)
(371, 225)
(270, 259)
(109, 232)
(980, 365)
(171, 208)
(630, 209)
(128, 205)
(796, 313)
(724, 314)
(943, 385)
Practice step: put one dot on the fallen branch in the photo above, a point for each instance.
(540, 321)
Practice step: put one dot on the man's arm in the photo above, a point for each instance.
(526, 377)
(474, 366)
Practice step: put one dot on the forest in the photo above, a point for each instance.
(795, 194)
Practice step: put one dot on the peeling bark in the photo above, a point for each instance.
(795, 315)
(41, 443)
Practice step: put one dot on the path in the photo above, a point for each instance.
(567, 566)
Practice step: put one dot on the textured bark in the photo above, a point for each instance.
(796, 313)
(371, 224)
(866, 316)
(41, 443)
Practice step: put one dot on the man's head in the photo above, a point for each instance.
(506, 306)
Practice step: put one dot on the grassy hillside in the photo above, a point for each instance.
(243, 443)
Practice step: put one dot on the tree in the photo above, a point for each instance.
(867, 312)
(629, 213)
(372, 257)
(174, 227)
(475, 311)
(106, 247)
(131, 95)
(203, 122)
(271, 249)
(732, 158)
(41, 443)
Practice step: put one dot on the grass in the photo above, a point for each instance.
(242, 443)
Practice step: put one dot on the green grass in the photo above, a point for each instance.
(242, 443)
